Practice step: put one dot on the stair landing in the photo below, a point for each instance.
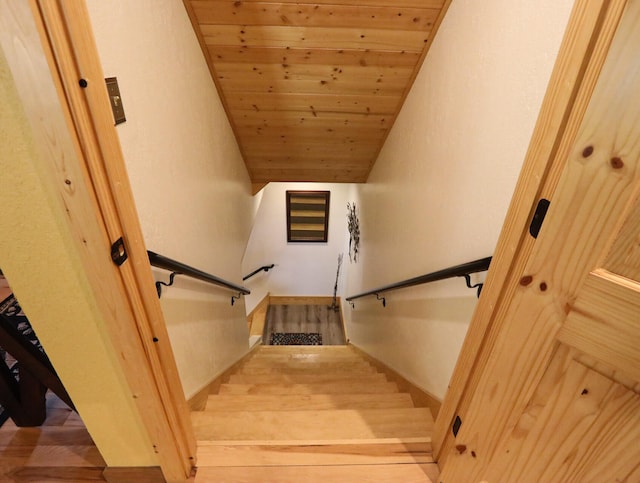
(309, 413)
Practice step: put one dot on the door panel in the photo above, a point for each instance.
(566, 431)
(536, 413)
(624, 258)
(604, 322)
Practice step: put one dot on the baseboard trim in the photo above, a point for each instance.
(258, 315)
(198, 401)
(420, 397)
(302, 300)
(262, 304)
(343, 320)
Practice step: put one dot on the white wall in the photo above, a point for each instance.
(441, 186)
(301, 268)
(190, 184)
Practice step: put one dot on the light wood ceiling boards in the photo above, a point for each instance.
(312, 88)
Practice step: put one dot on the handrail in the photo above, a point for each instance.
(463, 270)
(179, 268)
(266, 268)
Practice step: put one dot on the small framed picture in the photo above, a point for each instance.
(308, 216)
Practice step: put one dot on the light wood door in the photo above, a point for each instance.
(556, 397)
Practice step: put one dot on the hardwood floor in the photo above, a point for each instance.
(59, 450)
(312, 414)
(305, 319)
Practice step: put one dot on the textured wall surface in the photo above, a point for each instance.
(50, 285)
(301, 268)
(190, 184)
(441, 186)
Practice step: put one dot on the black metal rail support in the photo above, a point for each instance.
(159, 284)
(467, 279)
(463, 270)
(179, 268)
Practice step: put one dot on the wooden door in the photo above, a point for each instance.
(556, 396)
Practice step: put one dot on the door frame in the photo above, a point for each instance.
(590, 30)
(83, 171)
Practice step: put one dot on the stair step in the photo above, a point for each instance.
(315, 368)
(410, 473)
(305, 349)
(312, 413)
(304, 360)
(310, 356)
(338, 424)
(274, 402)
(318, 388)
(305, 378)
(211, 454)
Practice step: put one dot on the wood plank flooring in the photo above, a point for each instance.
(305, 319)
(59, 450)
(340, 420)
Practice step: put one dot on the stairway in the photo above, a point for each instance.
(312, 413)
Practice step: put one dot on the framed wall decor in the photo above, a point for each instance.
(308, 216)
(353, 225)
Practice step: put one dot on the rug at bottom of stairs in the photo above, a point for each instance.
(295, 338)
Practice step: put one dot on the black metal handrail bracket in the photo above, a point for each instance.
(463, 270)
(266, 268)
(179, 268)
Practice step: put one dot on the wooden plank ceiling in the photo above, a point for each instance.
(312, 88)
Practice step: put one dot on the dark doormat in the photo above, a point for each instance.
(293, 338)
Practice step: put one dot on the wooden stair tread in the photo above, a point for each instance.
(305, 378)
(311, 388)
(305, 425)
(305, 360)
(313, 442)
(312, 413)
(305, 349)
(313, 454)
(311, 369)
(307, 356)
(406, 473)
(270, 402)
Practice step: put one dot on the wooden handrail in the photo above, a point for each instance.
(462, 270)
